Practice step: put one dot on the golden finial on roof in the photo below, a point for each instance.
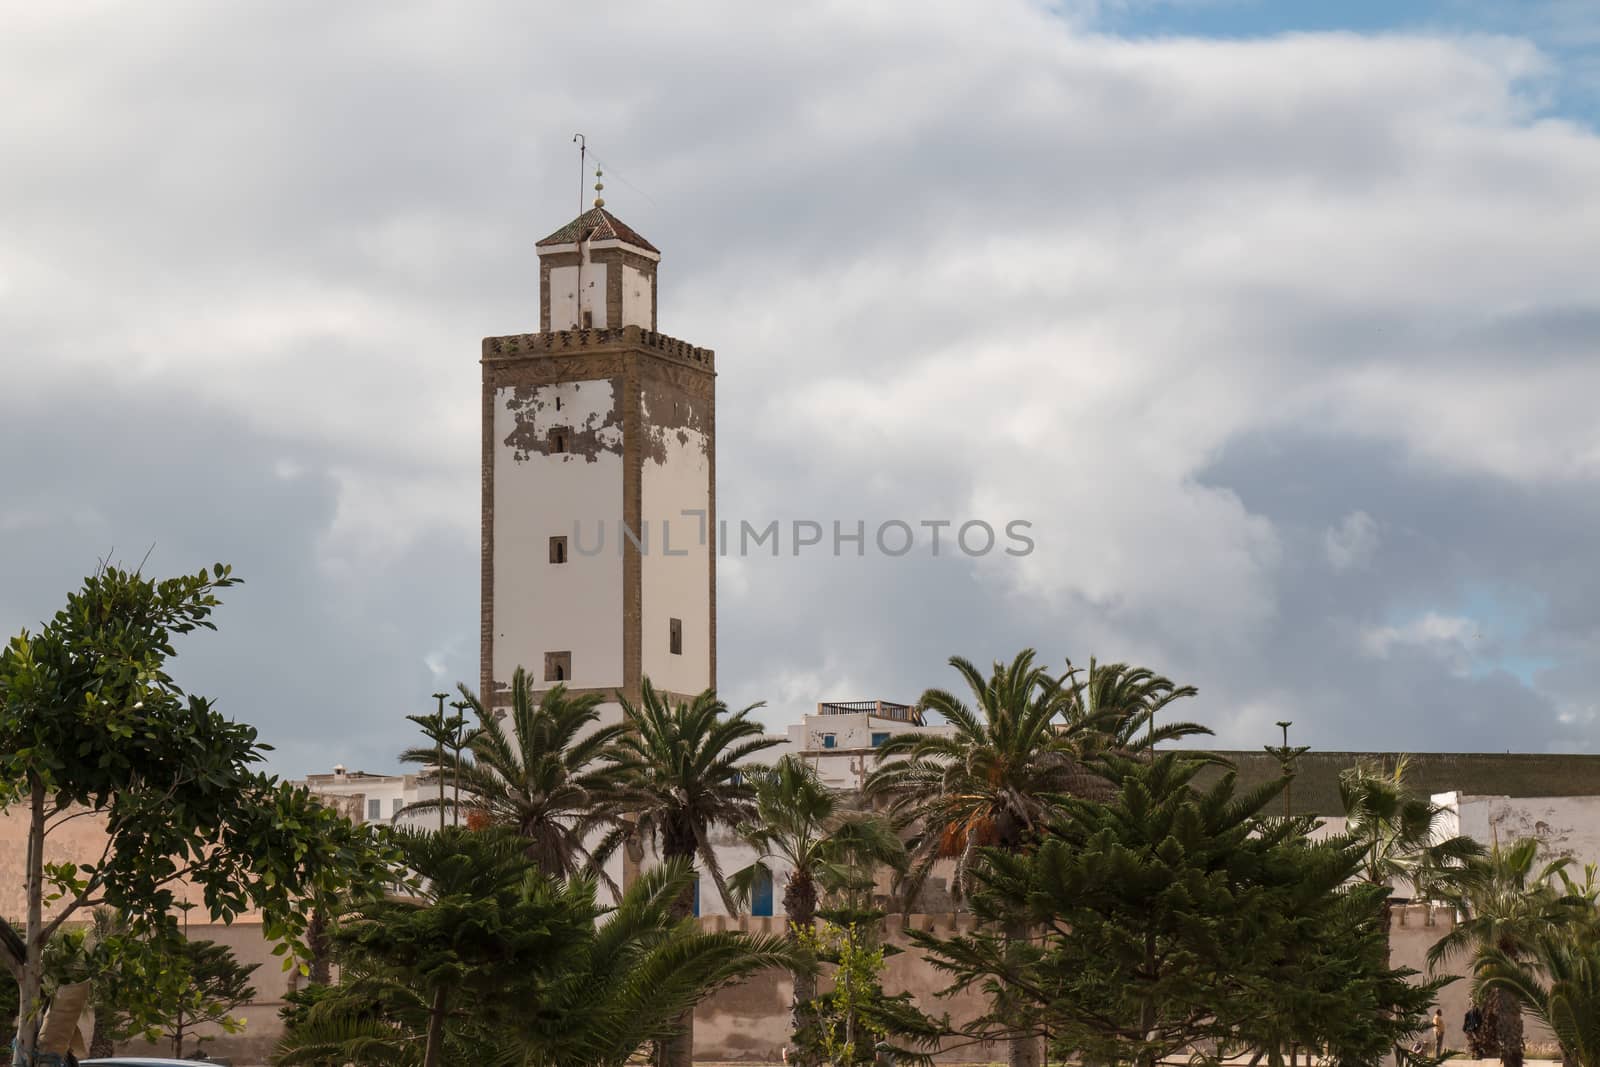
(599, 201)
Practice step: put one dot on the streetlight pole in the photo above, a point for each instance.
(438, 763)
(458, 742)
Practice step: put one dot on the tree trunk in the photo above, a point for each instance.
(317, 943)
(29, 1012)
(1024, 1049)
(434, 1054)
(100, 1044)
(678, 1050)
(1510, 1028)
(800, 905)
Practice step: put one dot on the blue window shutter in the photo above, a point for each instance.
(761, 899)
(697, 896)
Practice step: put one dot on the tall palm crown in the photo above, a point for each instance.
(993, 780)
(814, 832)
(1118, 704)
(543, 773)
(1401, 833)
(1505, 901)
(679, 764)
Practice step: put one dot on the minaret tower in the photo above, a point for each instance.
(599, 482)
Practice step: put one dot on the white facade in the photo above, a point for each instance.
(675, 569)
(638, 300)
(540, 493)
(373, 798)
(1565, 826)
(575, 290)
(841, 747)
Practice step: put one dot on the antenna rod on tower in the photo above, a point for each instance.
(583, 151)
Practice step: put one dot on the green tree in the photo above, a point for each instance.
(216, 985)
(813, 832)
(442, 730)
(1556, 977)
(682, 766)
(1114, 707)
(855, 1020)
(1401, 834)
(584, 986)
(467, 933)
(1170, 919)
(542, 774)
(1504, 902)
(91, 724)
(993, 781)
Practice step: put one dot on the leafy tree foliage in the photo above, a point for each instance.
(1556, 977)
(91, 724)
(496, 963)
(1022, 743)
(1400, 833)
(1168, 919)
(825, 844)
(1506, 902)
(855, 1020)
(541, 773)
(682, 766)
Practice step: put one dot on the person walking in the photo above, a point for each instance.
(1438, 1032)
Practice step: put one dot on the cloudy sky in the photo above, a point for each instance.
(1278, 322)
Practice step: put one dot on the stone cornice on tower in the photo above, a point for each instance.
(579, 342)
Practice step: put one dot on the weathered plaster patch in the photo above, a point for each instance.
(672, 414)
(586, 413)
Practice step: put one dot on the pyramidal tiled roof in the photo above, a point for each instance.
(598, 224)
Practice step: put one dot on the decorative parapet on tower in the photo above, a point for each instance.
(575, 342)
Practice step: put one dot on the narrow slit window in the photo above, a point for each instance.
(558, 549)
(675, 636)
(558, 441)
(558, 666)
(588, 320)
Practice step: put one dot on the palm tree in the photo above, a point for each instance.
(1503, 906)
(993, 781)
(1400, 834)
(547, 778)
(1114, 707)
(681, 766)
(637, 978)
(1557, 978)
(823, 843)
(622, 982)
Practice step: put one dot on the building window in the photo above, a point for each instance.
(399, 802)
(558, 550)
(675, 636)
(558, 441)
(558, 403)
(374, 810)
(828, 740)
(558, 666)
(761, 895)
(588, 320)
(878, 739)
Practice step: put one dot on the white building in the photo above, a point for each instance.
(371, 798)
(1565, 826)
(841, 739)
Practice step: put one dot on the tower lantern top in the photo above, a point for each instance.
(597, 272)
(597, 226)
